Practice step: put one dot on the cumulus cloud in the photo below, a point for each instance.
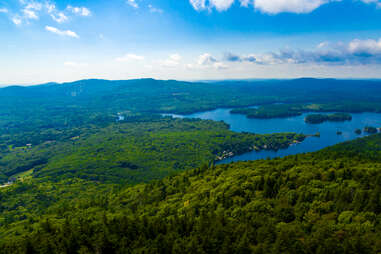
(29, 11)
(129, 57)
(323, 44)
(61, 32)
(172, 61)
(206, 61)
(59, 17)
(355, 52)
(81, 11)
(293, 6)
(29, 14)
(198, 4)
(220, 66)
(3, 10)
(133, 3)
(50, 8)
(56, 15)
(245, 3)
(230, 57)
(17, 20)
(266, 6)
(32, 10)
(367, 48)
(220, 5)
(33, 5)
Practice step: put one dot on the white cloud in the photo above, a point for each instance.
(81, 11)
(365, 47)
(50, 7)
(61, 32)
(294, 6)
(17, 20)
(245, 3)
(198, 4)
(3, 10)
(221, 5)
(130, 57)
(266, 6)
(33, 10)
(29, 14)
(206, 59)
(59, 17)
(220, 66)
(34, 6)
(154, 9)
(323, 44)
(133, 3)
(356, 52)
(172, 61)
(75, 64)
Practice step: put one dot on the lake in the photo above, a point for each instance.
(327, 130)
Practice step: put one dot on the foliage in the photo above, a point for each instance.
(283, 110)
(270, 111)
(370, 129)
(135, 151)
(323, 202)
(320, 118)
(73, 105)
(81, 148)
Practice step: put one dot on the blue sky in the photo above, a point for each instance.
(64, 40)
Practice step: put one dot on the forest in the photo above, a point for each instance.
(132, 152)
(69, 115)
(320, 118)
(106, 172)
(322, 202)
(285, 110)
(73, 105)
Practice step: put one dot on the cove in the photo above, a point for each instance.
(328, 131)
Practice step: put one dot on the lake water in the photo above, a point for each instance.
(327, 130)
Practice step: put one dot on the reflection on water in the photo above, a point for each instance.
(327, 130)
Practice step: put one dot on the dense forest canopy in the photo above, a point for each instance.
(322, 202)
(107, 173)
(133, 152)
(92, 101)
(320, 118)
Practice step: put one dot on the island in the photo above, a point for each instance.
(358, 131)
(370, 130)
(265, 112)
(320, 118)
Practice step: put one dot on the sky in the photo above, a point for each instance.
(66, 40)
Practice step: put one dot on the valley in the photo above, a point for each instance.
(109, 157)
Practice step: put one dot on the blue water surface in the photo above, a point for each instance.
(328, 131)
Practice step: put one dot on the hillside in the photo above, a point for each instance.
(322, 202)
(91, 101)
(128, 151)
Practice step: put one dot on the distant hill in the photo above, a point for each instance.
(186, 97)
